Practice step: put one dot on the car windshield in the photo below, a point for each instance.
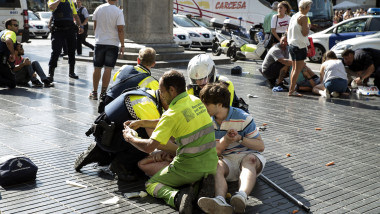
(202, 23)
(45, 15)
(184, 21)
(33, 16)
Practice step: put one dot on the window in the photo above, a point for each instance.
(375, 24)
(10, 3)
(184, 21)
(356, 25)
(32, 16)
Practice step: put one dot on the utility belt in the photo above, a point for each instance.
(102, 129)
(63, 28)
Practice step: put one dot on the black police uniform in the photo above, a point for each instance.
(81, 38)
(63, 29)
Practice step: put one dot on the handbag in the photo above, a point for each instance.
(15, 170)
(269, 43)
(310, 48)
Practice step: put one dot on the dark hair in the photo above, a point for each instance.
(329, 55)
(175, 79)
(287, 6)
(214, 93)
(9, 22)
(347, 51)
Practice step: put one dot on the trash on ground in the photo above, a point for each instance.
(318, 129)
(295, 211)
(252, 96)
(228, 195)
(363, 90)
(113, 200)
(330, 163)
(264, 124)
(262, 128)
(72, 183)
(288, 155)
(141, 194)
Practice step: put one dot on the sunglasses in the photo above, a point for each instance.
(16, 25)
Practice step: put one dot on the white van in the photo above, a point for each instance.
(18, 10)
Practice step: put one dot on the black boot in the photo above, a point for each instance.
(72, 73)
(51, 74)
(184, 200)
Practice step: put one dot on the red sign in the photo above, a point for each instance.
(230, 5)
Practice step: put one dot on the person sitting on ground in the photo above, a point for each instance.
(188, 122)
(362, 63)
(129, 77)
(238, 144)
(110, 146)
(333, 76)
(276, 62)
(201, 70)
(307, 79)
(26, 70)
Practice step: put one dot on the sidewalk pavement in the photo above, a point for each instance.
(48, 126)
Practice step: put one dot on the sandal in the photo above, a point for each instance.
(295, 94)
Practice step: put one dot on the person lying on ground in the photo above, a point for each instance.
(307, 79)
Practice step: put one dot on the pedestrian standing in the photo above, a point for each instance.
(7, 53)
(268, 19)
(81, 38)
(63, 29)
(298, 42)
(280, 21)
(109, 32)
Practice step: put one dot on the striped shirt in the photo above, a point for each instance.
(243, 123)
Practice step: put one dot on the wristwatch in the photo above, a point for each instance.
(241, 140)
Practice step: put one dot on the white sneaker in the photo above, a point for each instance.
(214, 206)
(238, 202)
(325, 93)
(335, 94)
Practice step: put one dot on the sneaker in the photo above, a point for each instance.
(207, 187)
(73, 75)
(238, 202)
(214, 205)
(37, 83)
(47, 83)
(93, 95)
(92, 155)
(184, 200)
(325, 93)
(335, 94)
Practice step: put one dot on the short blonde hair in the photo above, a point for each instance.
(147, 56)
(303, 4)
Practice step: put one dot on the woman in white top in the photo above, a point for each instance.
(333, 76)
(280, 21)
(297, 38)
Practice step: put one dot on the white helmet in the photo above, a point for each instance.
(200, 67)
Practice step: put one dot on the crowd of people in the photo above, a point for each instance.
(286, 58)
(340, 15)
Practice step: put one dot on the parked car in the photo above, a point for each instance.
(181, 37)
(15, 9)
(351, 28)
(370, 41)
(44, 16)
(204, 23)
(200, 36)
(37, 27)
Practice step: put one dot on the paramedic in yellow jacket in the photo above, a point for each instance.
(201, 70)
(188, 122)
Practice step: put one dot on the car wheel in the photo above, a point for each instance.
(319, 51)
(204, 49)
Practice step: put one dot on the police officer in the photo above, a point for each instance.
(129, 77)
(201, 70)
(110, 146)
(63, 29)
(7, 53)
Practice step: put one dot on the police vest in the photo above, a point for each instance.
(63, 13)
(3, 46)
(117, 111)
(131, 77)
(81, 17)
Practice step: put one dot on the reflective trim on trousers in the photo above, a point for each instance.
(157, 188)
(195, 136)
(193, 150)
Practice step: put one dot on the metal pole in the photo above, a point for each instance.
(284, 193)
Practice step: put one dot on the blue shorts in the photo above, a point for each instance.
(297, 54)
(339, 85)
(105, 55)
